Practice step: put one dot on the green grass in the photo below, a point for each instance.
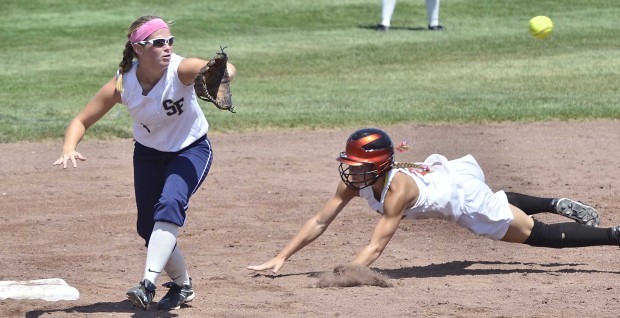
(319, 64)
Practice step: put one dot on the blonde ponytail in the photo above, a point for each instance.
(119, 81)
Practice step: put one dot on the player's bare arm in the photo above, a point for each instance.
(401, 194)
(96, 108)
(312, 229)
(189, 68)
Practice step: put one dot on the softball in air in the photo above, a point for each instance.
(541, 27)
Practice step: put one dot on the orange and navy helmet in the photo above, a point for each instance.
(369, 154)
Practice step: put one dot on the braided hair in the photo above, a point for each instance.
(410, 165)
(128, 53)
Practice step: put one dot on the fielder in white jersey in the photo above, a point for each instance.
(453, 190)
(169, 117)
(172, 154)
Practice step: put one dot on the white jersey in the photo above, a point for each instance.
(169, 117)
(452, 190)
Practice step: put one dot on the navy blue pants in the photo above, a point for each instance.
(164, 182)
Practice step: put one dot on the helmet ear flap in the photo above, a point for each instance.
(385, 166)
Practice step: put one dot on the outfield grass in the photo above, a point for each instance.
(315, 64)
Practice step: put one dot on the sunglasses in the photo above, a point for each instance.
(158, 42)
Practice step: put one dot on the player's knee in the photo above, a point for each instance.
(169, 205)
(546, 235)
(171, 210)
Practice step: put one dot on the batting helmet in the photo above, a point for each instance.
(369, 154)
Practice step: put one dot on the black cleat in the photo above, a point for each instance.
(176, 296)
(142, 295)
(382, 28)
(577, 211)
(436, 28)
(615, 233)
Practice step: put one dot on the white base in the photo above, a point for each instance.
(51, 289)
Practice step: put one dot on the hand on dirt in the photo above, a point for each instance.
(274, 264)
(73, 155)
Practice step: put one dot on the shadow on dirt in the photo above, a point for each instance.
(106, 307)
(460, 268)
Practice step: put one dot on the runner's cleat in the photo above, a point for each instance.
(577, 211)
(615, 233)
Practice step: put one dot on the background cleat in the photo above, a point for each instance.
(382, 28)
(436, 28)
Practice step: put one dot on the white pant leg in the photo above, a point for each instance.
(483, 212)
(432, 11)
(488, 215)
(387, 10)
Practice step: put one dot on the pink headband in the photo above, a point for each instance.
(147, 29)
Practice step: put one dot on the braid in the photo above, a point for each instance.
(128, 53)
(124, 66)
(398, 165)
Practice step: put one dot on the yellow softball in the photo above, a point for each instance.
(541, 27)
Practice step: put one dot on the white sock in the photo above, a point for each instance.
(387, 10)
(161, 244)
(176, 268)
(432, 11)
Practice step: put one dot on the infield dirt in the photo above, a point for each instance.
(78, 225)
